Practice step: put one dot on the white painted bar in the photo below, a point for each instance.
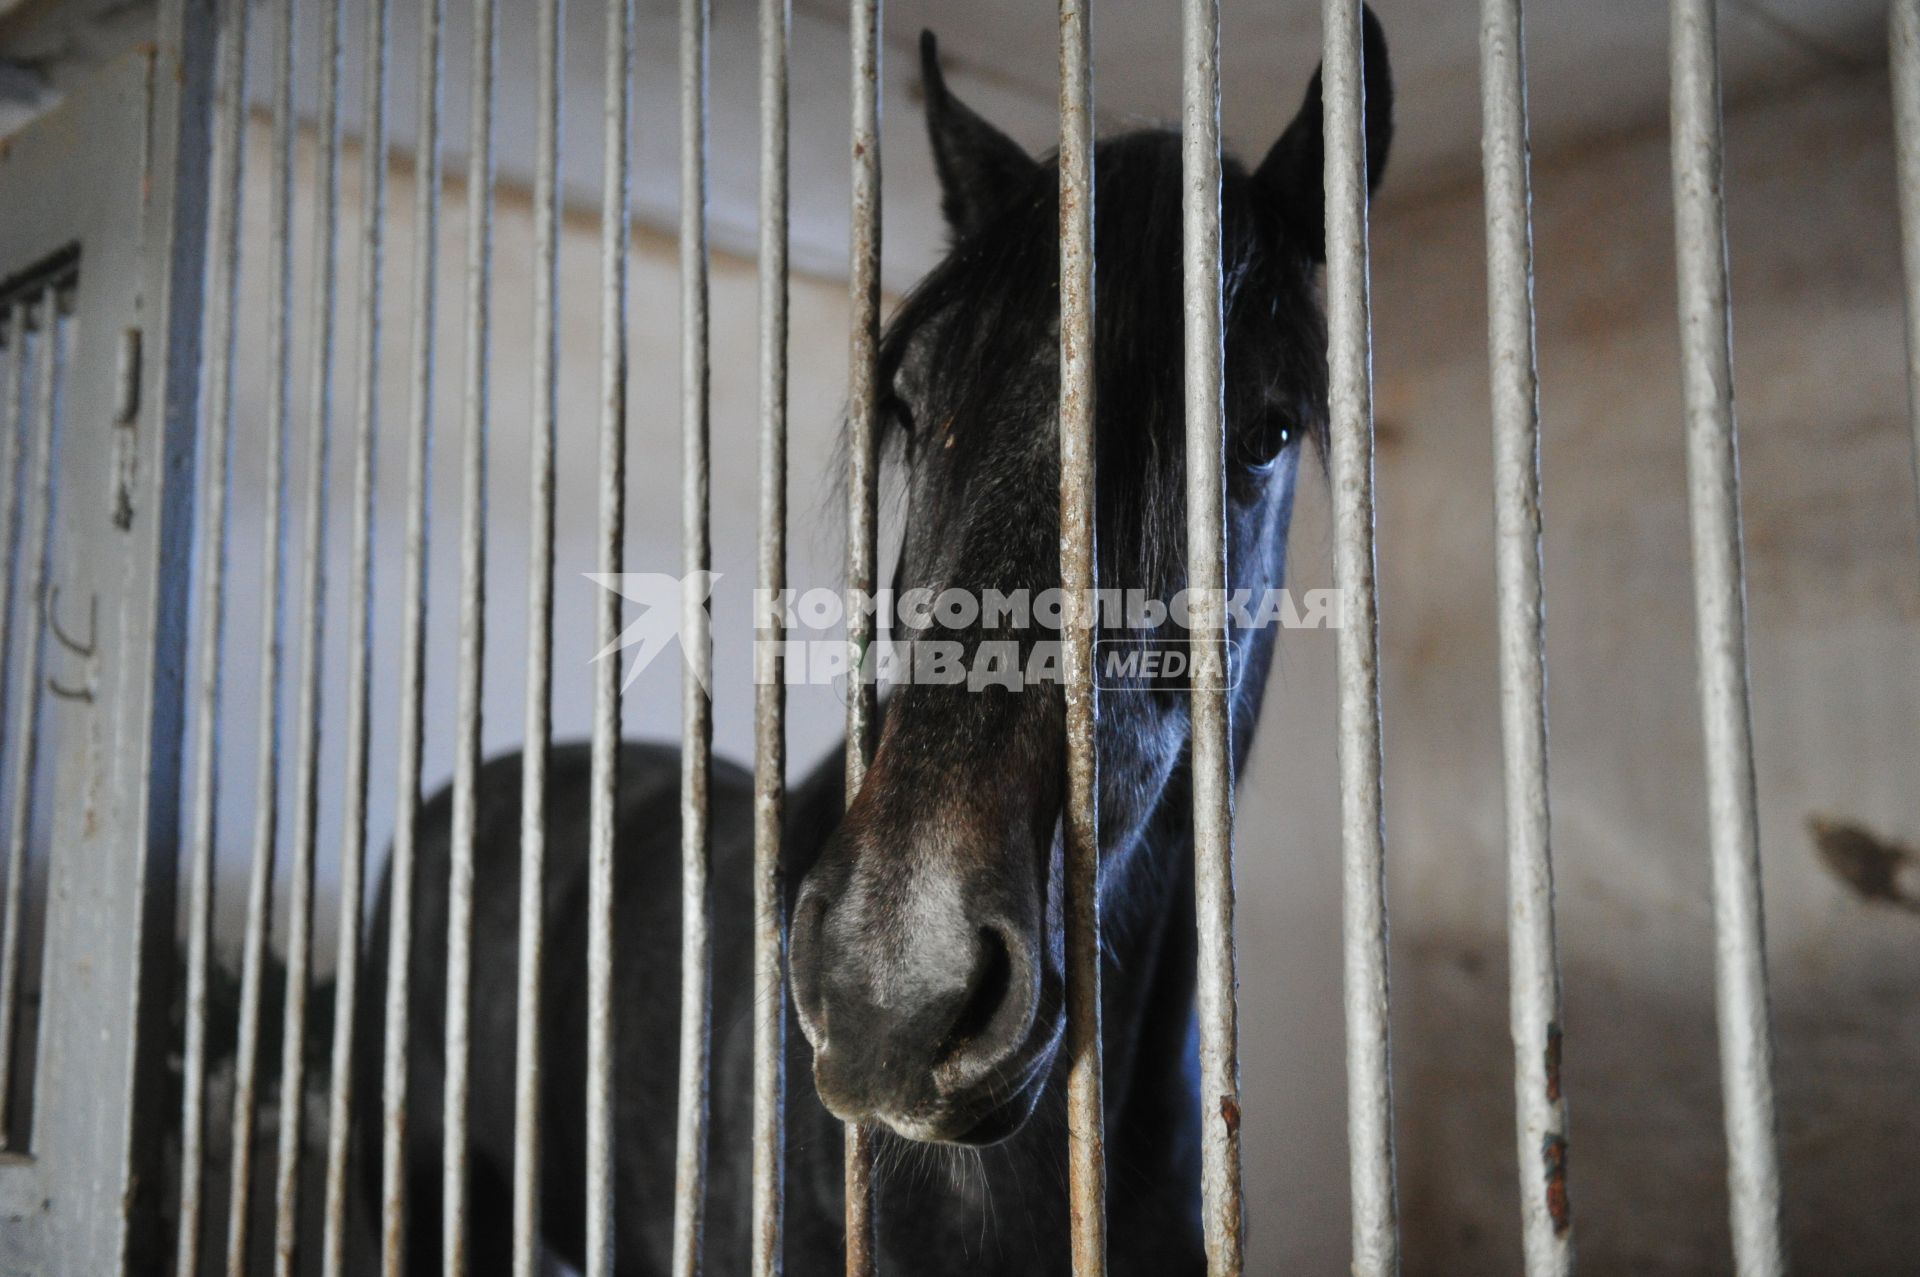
(1713, 490)
(539, 672)
(1086, 1116)
(1376, 1243)
(311, 627)
(272, 641)
(401, 876)
(770, 696)
(605, 778)
(210, 608)
(1540, 1109)
(341, 1096)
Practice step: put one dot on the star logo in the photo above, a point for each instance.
(660, 602)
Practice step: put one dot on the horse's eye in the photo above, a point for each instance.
(901, 411)
(1260, 448)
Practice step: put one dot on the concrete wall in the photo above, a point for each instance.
(1834, 592)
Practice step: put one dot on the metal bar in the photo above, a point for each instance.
(223, 234)
(26, 734)
(605, 779)
(1349, 357)
(539, 689)
(311, 625)
(863, 284)
(696, 721)
(1086, 1117)
(1713, 487)
(424, 305)
(1222, 1210)
(272, 638)
(19, 383)
(13, 411)
(1534, 980)
(770, 693)
(13, 347)
(1903, 59)
(353, 835)
(473, 617)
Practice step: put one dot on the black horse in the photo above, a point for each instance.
(926, 935)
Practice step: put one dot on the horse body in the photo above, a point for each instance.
(925, 918)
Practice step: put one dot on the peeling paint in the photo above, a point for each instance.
(1553, 1156)
(1230, 1115)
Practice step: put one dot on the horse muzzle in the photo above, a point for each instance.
(926, 1001)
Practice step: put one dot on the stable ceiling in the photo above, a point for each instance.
(1598, 68)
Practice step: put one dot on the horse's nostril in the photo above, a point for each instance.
(993, 1016)
(803, 940)
(986, 992)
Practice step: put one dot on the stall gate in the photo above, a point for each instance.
(117, 347)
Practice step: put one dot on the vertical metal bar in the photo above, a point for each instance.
(1713, 474)
(696, 730)
(1086, 1118)
(312, 626)
(13, 431)
(1903, 58)
(424, 305)
(1350, 363)
(26, 733)
(13, 325)
(223, 235)
(473, 615)
(1540, 1109)
(863, 282)
(353, 836)
(1222, 1211)
(770, 693)
(272, 637)
(539, 688)
(605, 778)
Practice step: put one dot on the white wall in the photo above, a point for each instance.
(1833, 590)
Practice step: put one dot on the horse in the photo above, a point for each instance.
(925, 948)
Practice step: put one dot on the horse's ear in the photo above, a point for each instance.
(980, 167)
(1293, 175)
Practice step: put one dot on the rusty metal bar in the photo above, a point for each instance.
(424, 305)
(353, 836)
(605, 778)
(473, 616)
(770, 693)
(311, 625)
(1222, 1210)
(210, 603)
(1086, 1118)
(539, 686)
(696, 722)
(1706, 337)
(1903, 59)
(863, 284)
(14, 383)
(272, 639)
(14, 391)
(1534, 979)
(26, 735)
(20, 387)
(1350, 400)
